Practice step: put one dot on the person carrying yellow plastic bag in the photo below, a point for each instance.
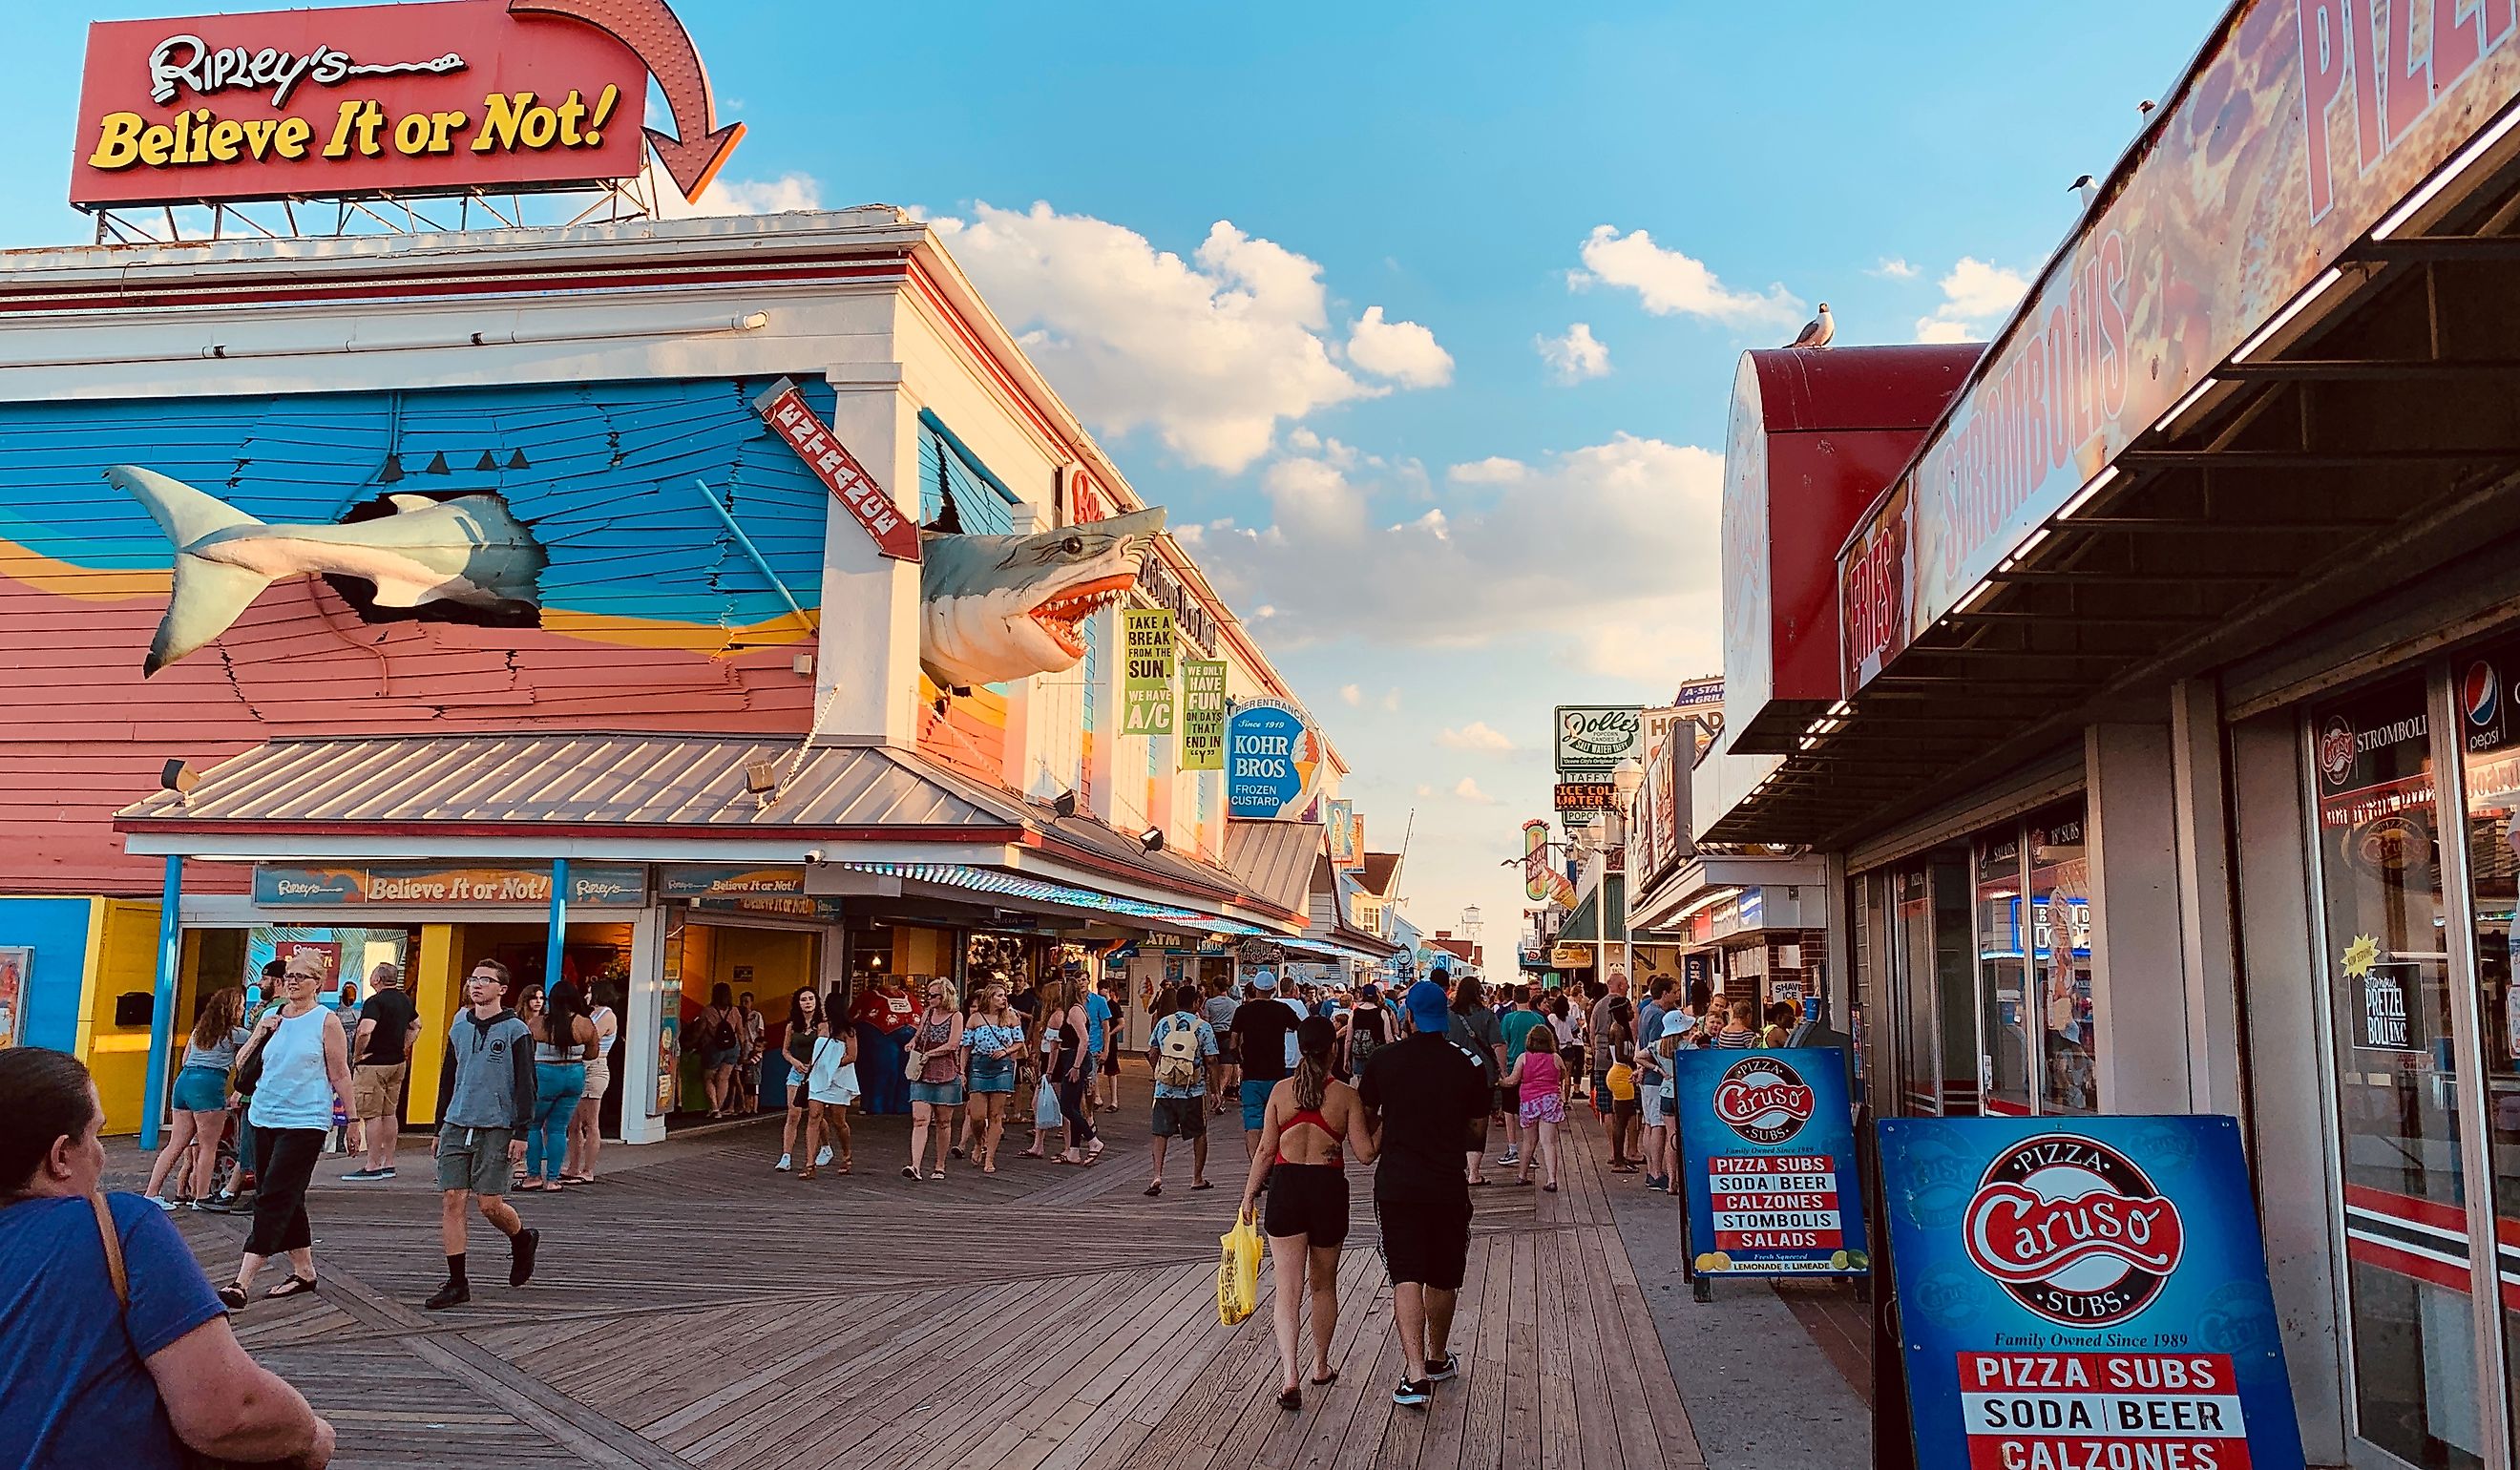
(1237, 1272)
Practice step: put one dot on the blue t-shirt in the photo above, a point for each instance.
(1098, 1020)
(72, 1369)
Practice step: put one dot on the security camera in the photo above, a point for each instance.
(814, 857)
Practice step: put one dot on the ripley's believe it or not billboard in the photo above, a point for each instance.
(2304, 126)
(390, 99)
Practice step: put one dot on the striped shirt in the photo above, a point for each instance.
(1730, 1040)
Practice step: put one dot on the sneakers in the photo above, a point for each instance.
(1414, 1392)
(520, 1257)
(782, 1164)
(368, 1176)
(1450, 1368)
(822, 1160)
(451, 1294)
(163, 1203)
(218, 1204)
(1510, 1156)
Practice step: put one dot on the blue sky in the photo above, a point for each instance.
(1449, 531)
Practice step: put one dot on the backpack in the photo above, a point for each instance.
(1177, 1066)
(722, 1038)
(1362, 1041)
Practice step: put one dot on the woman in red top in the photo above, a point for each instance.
(1300, 1163)
(937, 1057)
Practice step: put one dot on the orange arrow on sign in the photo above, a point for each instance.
(699, 148)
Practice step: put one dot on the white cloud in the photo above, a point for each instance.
(1210, 353)
(1575, 548)
(1425, 791)
(1402, 351)
(779, 196)
(1469, 790)
(1494, 469)
(1576, 356)
(1976, 297)
(1391, 702)
(1354, 696)
(1671, 283)
(1475, 736)
(1894, 268)
(1314, 499)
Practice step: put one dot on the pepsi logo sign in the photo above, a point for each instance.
(1762, 1099)
(2336, 750)
(2073, 1230)
(2480, 693)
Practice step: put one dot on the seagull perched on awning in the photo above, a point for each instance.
(2086, 189)
(1817, 332)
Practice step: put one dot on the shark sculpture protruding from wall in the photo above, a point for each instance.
(994, 609)
(469, 549)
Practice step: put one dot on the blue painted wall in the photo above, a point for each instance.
(56, 929)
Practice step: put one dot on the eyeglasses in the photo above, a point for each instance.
(302, 979)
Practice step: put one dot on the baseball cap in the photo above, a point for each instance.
(1429, 1007)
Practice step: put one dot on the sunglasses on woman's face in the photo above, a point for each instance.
(302, 979)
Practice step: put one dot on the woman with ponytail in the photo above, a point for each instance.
(1300, 1165)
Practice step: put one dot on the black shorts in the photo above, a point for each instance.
(1425, 1241)
(1308, 1200)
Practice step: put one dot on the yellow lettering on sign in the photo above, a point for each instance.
(118, 142)
(503, 116)
(157, 144)
(338, 146)
(224, 138)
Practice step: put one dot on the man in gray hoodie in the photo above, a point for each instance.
(486, 1101)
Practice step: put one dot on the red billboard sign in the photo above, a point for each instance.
(783, 407)
(411, 98)
(1873, 593)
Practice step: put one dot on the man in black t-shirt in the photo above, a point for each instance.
(380, 1059)
(1261, 1026)
(1425, 1097)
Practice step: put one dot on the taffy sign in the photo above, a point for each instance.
(390, 99)
(2085, 1291)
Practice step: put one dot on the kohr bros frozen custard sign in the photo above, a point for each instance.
(390, 99)
(1273, 760)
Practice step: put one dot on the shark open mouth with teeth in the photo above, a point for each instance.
(994, 609)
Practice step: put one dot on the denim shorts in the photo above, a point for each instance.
(937, 1094)
(1255, 1105)
(993, 1076)
(200, 1090)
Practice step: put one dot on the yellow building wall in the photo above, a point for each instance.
(121, 957)
(436, 988)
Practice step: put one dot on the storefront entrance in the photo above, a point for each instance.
(2415, 781)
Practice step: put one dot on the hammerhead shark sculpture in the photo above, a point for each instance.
(1001, 607)
(469, 549)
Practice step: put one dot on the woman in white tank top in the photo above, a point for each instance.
(585, 1130)
(305, 1068)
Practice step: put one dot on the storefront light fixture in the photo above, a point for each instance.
(2284, 318)
(2091, 489)
(761, 779)
(2445, 175)
(178, 776)
(2179, 410)
(1151, 840)
(1065, 804)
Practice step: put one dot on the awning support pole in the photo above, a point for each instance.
(161, 1015)
(559, 937)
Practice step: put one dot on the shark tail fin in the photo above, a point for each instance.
(184, 514)
(209, 596)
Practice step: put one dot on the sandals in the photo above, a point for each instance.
(909, 1173)
(294, 1286)
(231, 1297)
(1326, 1379)
(936, 1174)
(1156, 1189)
(1290, 1398)
(1203, 1184)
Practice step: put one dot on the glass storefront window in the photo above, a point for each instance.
(2004, 1004)
(2060, 959)
(2490, 759)
(2397, 1073)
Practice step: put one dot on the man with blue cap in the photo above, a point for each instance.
(1425, 1098)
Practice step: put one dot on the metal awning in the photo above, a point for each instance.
(997, 883)
(1583, 925)
(1274, 859)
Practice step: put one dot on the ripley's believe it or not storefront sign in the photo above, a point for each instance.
(372, 99)
(2084, 1292)
(2305, 123)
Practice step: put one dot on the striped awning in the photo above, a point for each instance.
(1024, 888)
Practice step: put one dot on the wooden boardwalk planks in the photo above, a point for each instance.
(696, 1309)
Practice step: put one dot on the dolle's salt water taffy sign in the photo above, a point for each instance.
(1767, 1161)
(414, 99)
(2080, 1293)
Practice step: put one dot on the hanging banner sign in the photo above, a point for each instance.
(1535, 860)
(1768, 1160)
(1272, 759)
(1146, 671)
(1338, 821)
(591, 885)
(1570, 957)
(1202, 717)
(783, 407)
(369, 100)
(2083, 1292)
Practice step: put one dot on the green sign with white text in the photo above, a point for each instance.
(1146, 671)
(1202, 719)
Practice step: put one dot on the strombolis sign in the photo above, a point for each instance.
(2304, 126)
(390, 99)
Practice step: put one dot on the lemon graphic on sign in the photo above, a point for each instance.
(2360, 956)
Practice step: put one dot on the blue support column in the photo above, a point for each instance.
(558, 924)
(162, 1016)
